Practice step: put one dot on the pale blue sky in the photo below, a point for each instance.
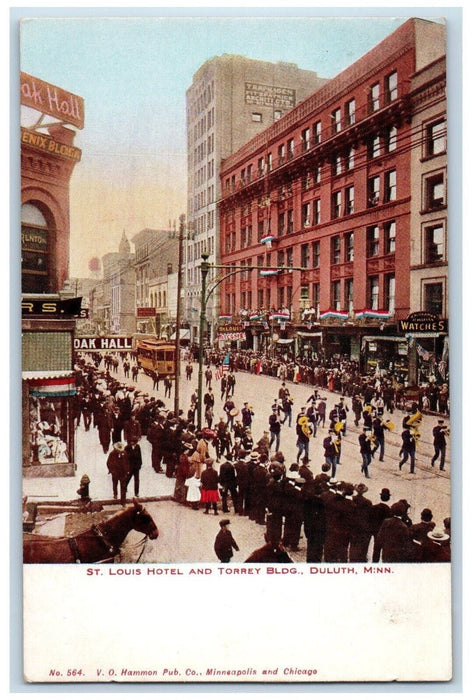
(133, 73)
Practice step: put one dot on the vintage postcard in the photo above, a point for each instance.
(236, 360)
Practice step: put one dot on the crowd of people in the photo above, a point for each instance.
(222, 467)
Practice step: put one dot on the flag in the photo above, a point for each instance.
(255, 317)
(259, 367)
(372, 313)
(267, 273)
(225, 364)
(342, 315)
(267, 240)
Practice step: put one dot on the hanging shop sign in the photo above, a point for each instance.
(51, 100)
(53, 308)
(103, 343)
(423, 321)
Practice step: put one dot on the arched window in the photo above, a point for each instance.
(34, 251)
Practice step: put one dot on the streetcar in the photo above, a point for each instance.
(156, 356)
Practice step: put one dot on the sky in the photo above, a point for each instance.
(133, 73)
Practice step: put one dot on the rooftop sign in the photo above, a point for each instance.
(52, 100)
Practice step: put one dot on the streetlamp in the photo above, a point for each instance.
(205, 294)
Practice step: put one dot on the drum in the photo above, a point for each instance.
(234, 412)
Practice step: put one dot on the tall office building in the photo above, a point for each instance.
(231, 100)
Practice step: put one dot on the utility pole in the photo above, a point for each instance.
(204, 269)
(178, 315)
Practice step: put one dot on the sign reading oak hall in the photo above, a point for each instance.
(52, 100)
(103, 343)
(423, 322)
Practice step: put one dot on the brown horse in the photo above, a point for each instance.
(99, 543)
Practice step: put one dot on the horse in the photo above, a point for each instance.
(100, 543)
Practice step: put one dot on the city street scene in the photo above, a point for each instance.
(235, 305)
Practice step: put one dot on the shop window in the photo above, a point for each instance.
(35, 251)
(49, 429)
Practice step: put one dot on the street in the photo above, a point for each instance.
(185, 533)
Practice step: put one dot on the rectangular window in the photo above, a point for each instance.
(281, 154)
(317, 174)
(336, 295)
(249, 235)
(374, 293)
(260, 298)
(336, 121)
(305, 140)
(281, 224)
(373, 241)
(337, 165)
(374, 147)
(391, 186)
(305, 255)
(316, 253)
(390, 293)
(434, 191)
(434, 244)
(290, 148)
(335, 250)
(280, 258)
(373, 191)
(391, 86)
(390, 236)
(350, 158)
(336, 205)
(256, 117)
(349, 246)
(316, 212)
(260, 166)
(317, 132)
(280, 297)
(306, 222)
(375, 97)
(289, 257)
(433, 298)
(349, 295)
(290, 221)
(391, 141)
(349, 199)
(351, 112)
(269, 162)
(436, 138)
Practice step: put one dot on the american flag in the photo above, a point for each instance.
(224, 367)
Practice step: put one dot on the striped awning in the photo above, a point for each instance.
(50, 383)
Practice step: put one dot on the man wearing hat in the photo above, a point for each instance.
(408, 449)
(118, 467)
(419, 533)
(224, 543)
(314, 519)
(437, 547)
(379, 513)
(330, 452)
(274, 429)
(361, 528)
(393, 537)
(228, 483)
(366, 451)
(246, 415)
(439, 443)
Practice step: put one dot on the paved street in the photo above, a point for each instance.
(428, 487)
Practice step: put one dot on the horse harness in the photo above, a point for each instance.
(74, 548)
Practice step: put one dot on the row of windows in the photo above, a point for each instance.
(341, 297)
(207, 94)
(206, 122)
(380, 240)
(203, 198)
(204, 149)
(204, 173)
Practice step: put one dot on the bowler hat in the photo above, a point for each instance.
(361, 488)
(224, 522)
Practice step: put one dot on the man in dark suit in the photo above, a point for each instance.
(224, 543)
(393, 538)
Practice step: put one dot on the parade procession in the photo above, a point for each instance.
(277, 356)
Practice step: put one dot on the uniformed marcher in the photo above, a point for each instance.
(439, 444)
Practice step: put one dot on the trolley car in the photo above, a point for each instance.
(156, 356)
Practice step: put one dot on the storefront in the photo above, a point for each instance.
(385, 355)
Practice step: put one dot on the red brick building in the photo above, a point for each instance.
(328, 188)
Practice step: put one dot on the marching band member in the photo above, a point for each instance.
(331, 449)
(408, 449)
(366, 451)
(439, 443)
(379, 428)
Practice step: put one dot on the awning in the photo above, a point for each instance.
(50, 384)
(389, 338)
(302, 334)
(285, 341)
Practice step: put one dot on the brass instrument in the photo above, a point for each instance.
(415, 419)
(337, 444)
(416, 433)
(447, 432)
(372, 439)
(338, 426)
(389, 425)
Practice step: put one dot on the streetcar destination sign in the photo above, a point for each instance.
(103, 343)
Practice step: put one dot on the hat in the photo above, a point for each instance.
(426, 514)
(397, 509)
(254, 455)
(440, 420)
(333, 482)
(385, 494)
(348, 489)
(209, 460)
(361, 488)
(224, 522)
(119, 446)
(438, 536)
(405, 502)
